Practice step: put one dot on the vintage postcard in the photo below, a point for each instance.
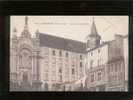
(69, 53)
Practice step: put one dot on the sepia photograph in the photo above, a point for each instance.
(69, 53)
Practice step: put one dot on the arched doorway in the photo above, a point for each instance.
(25, 85)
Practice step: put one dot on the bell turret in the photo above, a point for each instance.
(93, 39)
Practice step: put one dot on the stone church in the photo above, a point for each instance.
(44, 62)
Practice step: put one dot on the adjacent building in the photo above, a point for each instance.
(126, 60)
(107, 62)
(97, 58)
(116, 66)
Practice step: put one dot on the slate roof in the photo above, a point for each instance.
(61, 43)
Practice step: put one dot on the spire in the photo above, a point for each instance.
(93, 28)
(25, 32)
(93, 39)
(26, 23)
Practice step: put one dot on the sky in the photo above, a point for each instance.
(72, 27)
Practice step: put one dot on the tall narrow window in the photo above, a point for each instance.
(66, 54)
(113, 66)
(80, 57)
(91, 63)
(92, 78)
(116, 67)
(99, 76)
(60, 53)
(80, 64)
(98, 62)
(20, 59)
(54, 52)
(73, 71)
(60, 70)
(60, 78)
(98, 50)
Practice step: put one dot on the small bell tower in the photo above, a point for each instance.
(93, 39)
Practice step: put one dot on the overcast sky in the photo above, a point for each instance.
(72, 27)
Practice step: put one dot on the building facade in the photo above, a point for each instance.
(63, 60)
(97, 58)
(107, 63)
(24, 61)
(116, 67)
(45, 61)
